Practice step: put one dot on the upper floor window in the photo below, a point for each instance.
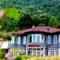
(55, 39)
(40, 38)
(16, 40)
(34, 38)
(37, 38)
(12, 40)
(59, 38)
(24, 40)
(19, 40)
(49, 39)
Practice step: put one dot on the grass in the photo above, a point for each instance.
(3, 59)
(24, 57)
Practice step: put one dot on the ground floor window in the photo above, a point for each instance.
(59, 52)
(37, 51)
(52, 51)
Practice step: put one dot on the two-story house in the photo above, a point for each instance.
(41, 40)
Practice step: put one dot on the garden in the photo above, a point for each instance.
(28, 57)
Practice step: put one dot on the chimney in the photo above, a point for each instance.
(33, 26)
(48, 28)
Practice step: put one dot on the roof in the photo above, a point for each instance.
(45, 29)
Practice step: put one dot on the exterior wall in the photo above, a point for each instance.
(59, 44)
(36, 38)
(51, 42)
(15, 40)
(4, 44)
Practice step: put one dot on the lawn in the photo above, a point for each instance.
(24, 57)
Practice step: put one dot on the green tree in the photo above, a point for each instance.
(25, 21)
(53, 22)
(41, 19)
(8, 21)
(10, 24)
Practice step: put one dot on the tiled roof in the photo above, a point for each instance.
(45, 29)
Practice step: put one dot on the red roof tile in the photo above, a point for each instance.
(45, 29)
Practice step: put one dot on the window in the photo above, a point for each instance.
(34, 51)
(13, 39)
(42, 40)
(49, 39)
(16, 40)
(24, 40)
(55, 39)
(59, 38)
(34, 38)
(59, 52)
(52, 51)
(19, 40)
(41, 48)
(38, 37)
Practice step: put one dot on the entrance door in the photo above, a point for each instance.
(34, 52)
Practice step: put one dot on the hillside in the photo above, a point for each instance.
(18, 14)
(34, 6)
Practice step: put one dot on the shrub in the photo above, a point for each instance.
(2, 53)
(18, 58)
(25, 56)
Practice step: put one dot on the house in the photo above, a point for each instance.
(3, 43)
(43, 40)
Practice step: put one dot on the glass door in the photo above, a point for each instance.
(34, 52)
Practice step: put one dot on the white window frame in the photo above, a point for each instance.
(59, 38)
(24, 40)
(59, 51)
(42, 39)
(34, 37)
(38, 35)
(49, 39)
(19, 40)
(12, 39)
(55, 39)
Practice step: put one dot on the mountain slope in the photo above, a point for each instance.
(34, 6)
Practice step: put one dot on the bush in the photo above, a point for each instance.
(2, 53)
(25, 56)
(18, 58)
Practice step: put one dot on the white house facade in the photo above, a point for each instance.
(37, 41)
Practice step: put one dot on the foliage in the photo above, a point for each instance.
(34, 6)
(53, 22)
(2, 53)
(10, 24)
(39, 57)
(23, 14)
(25, 56)
(5, 36)
(13, 12)
(25, 21)
(9, 20)
(18, 58)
